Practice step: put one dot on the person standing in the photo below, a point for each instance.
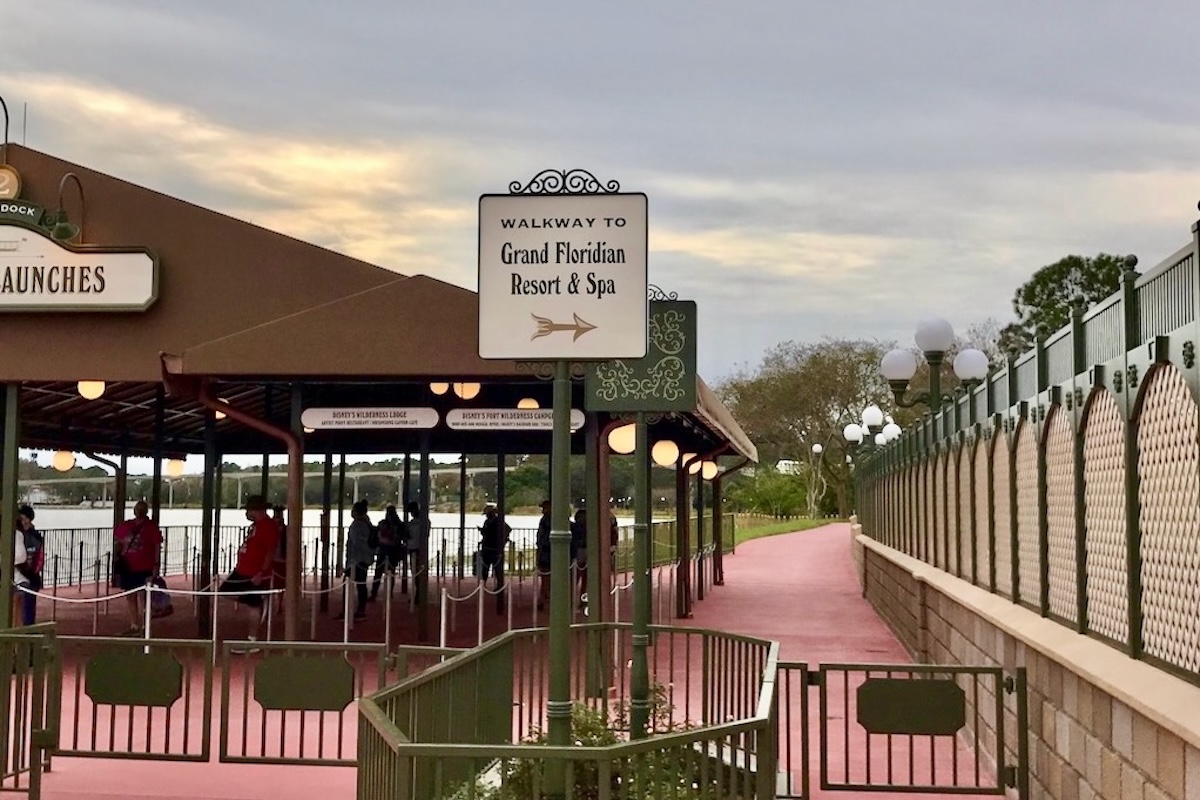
(255, 563)
(136, 543)
(418, 545)
(579, 553)
(388, 555)
(543, 555)
(493, 538)
(359, 554)
(20, 578)
(35, 561)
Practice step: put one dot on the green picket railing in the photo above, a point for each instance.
(470, 727)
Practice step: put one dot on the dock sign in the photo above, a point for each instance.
(562, 276)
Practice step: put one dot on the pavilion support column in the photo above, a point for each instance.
(207, 493)
(341, 525)
(405, 495)
(10, 462)
(462, 515)
(421, 577)
(500, 501)
(218, 501)
(160, 425)
(295, 519)
(683, 551)
(719, 531)
(326, 507)
(597, 553)
(121, 484)
(268, 412)
(700, 535)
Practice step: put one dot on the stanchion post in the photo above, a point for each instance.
(442, 632)
(482, 592)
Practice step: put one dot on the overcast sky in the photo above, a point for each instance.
(813, 169)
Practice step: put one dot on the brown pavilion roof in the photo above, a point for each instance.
(253, 310)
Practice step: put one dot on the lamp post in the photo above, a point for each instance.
(934, 337)
(876, 429)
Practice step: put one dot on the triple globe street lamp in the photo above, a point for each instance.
(934, 337)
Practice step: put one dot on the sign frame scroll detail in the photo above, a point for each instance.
(662, 381)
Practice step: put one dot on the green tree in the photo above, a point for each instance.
(1043, 303)
(804, 393)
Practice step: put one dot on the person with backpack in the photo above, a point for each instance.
(20, 579)
(493, 538)
(387, 548)
(136, 543)
(35, 561)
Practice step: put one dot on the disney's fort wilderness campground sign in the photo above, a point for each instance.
(38, 273)
(562, 276)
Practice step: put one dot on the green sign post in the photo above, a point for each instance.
(562, 279)
(663, 381)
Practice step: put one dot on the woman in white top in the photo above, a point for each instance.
(19, 557)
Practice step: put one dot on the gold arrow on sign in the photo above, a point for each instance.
(547, 326)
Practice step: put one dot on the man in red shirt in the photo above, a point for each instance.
(136, 544)
(255, 562)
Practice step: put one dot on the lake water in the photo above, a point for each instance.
(73, 517)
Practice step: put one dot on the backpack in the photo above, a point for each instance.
(373, 538)
(160, 603)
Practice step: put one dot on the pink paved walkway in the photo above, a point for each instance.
(799, 589)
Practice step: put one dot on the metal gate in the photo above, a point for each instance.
(27, 708)
(917, 729)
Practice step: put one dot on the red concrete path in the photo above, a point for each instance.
(799, 589)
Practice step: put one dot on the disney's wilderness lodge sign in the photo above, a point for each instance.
(562, 276)
(39, 273)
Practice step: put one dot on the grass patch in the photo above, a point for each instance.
(749, 526)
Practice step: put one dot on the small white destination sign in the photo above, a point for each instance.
(324, 418)
(562, 276)
(500, 419)
(39, 274)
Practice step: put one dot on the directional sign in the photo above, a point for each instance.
(562, 276)
(323, 418)
(507, 419)
(40, 274)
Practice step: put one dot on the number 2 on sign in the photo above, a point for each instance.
(9, 184)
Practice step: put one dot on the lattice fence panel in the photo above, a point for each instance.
(952, 512)
(1105, 541)
(939, 511)
(1169, 467)
(930, 533)
(1002, 482)
(983, 549)
(966, 534)
(1060, 512)
(1029, 562)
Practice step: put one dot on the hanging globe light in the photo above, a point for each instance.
(665, 453)
(623, 440)
(90, 390)
(63, 461)
(709, 470)
(174, 467)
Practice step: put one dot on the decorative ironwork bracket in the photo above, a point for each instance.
(564, 181)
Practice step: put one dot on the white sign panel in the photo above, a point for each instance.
(39, 274)
(508, 419)
(323, 418)
(562, 276)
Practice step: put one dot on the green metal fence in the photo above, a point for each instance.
(293, 702)
(1069, 482)
(27, 707)
(134, 698)
(470, 727)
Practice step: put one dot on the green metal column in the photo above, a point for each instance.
(558, 707)
(340, 552)
(1133, 508)
(8, 497)
(462, 515)
(597, 553)
(159, 433)
(700, 535)
(326, 510)
(639, 679)
(421, 577)
(204, 601)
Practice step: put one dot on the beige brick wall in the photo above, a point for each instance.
(1084, 741)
